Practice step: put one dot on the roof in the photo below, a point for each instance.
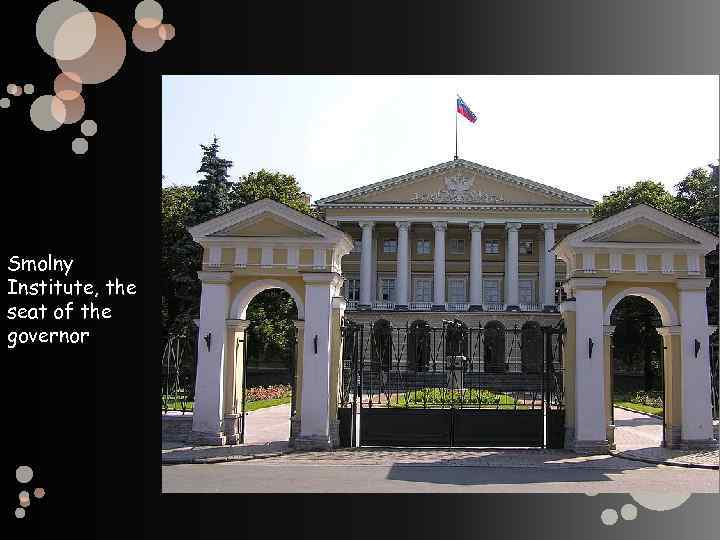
(501, 176)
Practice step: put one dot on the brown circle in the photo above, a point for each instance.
(166, 32)
(67, 86)
(147, 39)
(39, 493)
(104, 58)
(74, 110)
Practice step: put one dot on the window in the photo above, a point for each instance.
(352, 289)
(387, 290)
(525, 291)
(389, 246)
(357, 246)
(423, 290)
(525, 247)
(456, 290)
(457, 246)
(491, 291)
(492, 246)
(423, 247)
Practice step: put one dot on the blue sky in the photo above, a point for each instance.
(583, 134)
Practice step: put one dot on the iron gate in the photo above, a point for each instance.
(453, 385)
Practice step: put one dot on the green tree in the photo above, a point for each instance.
(642, 192)
(277, 186)
(179, 259)
(213, 189)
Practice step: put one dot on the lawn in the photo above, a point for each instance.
(175, 405)
(638, 407)
(434, 397)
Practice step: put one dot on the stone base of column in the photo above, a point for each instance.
(307, 442)
(704, 444)
(294, 429)
(401, 307)
(550, 309)
(512, 308)
(672, 437)
(232, 429)
(474, 307)
(590, 447)
(611, 436)
(438, 307)
(203, 438)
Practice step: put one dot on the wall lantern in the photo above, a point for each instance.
(697, 347)
(208, 339)
(315, 340)
(590, 347)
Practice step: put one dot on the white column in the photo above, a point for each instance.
(476, 293)
(403, 268)
(212, 355)
(541, 252)
(320, 288)
(366, 258)
(695, 373)
(511, 264)
(549, 265)
(591, 432)
(439, 263)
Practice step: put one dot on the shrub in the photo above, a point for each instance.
(442, 396)
(650, 399)
(275, 391)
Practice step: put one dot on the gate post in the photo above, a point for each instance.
(696, 410)
(590, 411)
(608, 331)
(320, 288)
(297, 387)
(672, 393)
(338, 312)
(234, 406)
(212, 356)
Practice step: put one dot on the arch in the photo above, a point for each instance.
(494, 347)
(382, 344)
(456, 339)
(531, 347)
(242, 300)
(418, 346)
(665, 307)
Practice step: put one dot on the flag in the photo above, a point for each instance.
(464, 110)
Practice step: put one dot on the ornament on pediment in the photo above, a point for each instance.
(458, 188)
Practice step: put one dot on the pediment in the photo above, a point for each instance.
(641, 230)
(458, 181)
(266, 225)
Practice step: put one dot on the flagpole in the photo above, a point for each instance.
(456, 113)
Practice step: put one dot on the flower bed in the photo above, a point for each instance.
(260, 393)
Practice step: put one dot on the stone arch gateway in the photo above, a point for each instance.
(261, 246)
(641, 252)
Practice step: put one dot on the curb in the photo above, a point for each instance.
(632, 457)
(220, 459)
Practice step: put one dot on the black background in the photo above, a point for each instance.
(85, 418)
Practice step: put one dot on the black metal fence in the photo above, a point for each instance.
(453, 367)
(177, 375)
(714, 375)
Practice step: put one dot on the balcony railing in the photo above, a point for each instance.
(383, 306)
(420, 306)
(352, 305)
(457, 306)
(531, 307)
(494, 307)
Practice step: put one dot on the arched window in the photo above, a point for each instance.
(456, 340)
(494, 347)
(382, 344)
(418, 346)
(531, 347)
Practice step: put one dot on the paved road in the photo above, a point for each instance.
(636, 430)
(271, 424)
(256, 477)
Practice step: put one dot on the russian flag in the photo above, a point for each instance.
(464, 110)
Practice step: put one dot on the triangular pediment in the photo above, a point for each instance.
(642, 230)
(458, 181)
(266, 225)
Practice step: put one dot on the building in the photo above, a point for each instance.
(457, 240)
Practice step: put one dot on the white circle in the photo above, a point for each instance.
(88, 128)
(29, 88)
(80, 145)
(628, 512)
(609, 516)
(148, 13)
(65, 30)
(11, 89)
(660, 501)
(47, 113)
(4, 103)
(23, 474)
(19, 513)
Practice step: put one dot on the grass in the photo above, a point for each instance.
(637, 407)
(176, 405)
(429, 397)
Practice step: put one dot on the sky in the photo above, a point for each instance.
(582, 134)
